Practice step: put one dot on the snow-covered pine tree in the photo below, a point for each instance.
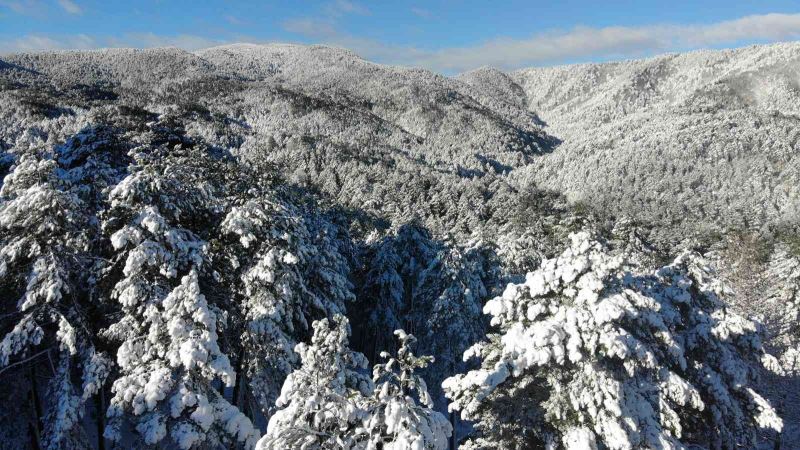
(538, 224)
(433, 286)
(590, 355)
(783, 300)
(390, 294)
(323, 401)
(171, 367)
(327, 272)
(282, 268)
(764, 273)
(417, 251)
(451, 298)
(259, 247)
(780, 305)
(396, 421)
(49, 248)
(381, 297)
(521, 251)
(453, 289)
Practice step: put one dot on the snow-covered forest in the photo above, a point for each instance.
(289, 247)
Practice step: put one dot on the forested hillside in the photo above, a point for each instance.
(701, 142)
(283, 247)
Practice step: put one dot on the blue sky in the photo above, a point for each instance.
(444, 35)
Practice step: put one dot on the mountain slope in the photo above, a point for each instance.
(451, 124)
(697, 141)
(123, 66)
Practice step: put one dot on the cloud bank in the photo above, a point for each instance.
(70, 6)
(40, 42)
(552, 47)
(611, 42)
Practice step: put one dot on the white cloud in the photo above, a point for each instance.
(342, 7)
(70, 6)
(609, 42)
(24, 7)
(763, 27)
(324, 25)
(233, 20)
(39, 8)
(580, 43)
(39, 42)
(36, 42)
(313, 28)
(184, 41)
(421, 12)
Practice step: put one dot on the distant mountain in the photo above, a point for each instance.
(123, 66)
(698, 141)
(452, 120)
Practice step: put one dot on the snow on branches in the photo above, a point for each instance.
(328, 403)
(169, 373)
(322, 401)
(171, 366)
(283, 268)
(397, 421)
(48, 248)
(600, 355)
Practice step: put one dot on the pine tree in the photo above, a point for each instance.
(328, 403)
(588, 354)
(396, 421)
(282, 268)
(170, 362)
(263, 250)
(323, 401)
(785, 301)
(453, 291)
(49, 252)
(433, 286)
(450, 299)
(382, 297)
(391, 295)
(43, 236)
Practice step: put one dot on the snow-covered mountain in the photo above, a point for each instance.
(173, 224)
(703, 140)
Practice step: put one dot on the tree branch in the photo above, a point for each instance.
(25, 360)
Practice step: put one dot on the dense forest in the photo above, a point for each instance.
(282, 247)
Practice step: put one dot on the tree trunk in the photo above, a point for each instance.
(35, 427)
(34, 432)
(101, 425)
(453, 436)
(237, 388)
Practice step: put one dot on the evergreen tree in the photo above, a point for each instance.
(588, 354)
(452, 294)
(382, 296)
(282, 269)
(396, 421)
(392, 293)
(170, 362)
(323, 401)
(328, 403)
(49, 253)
